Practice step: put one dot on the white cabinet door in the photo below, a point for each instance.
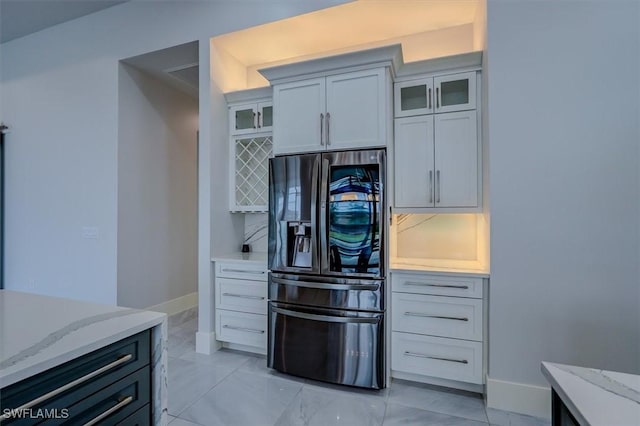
(456, 160)
(455, 92)
(297, 108)
(357, 109)
(413, 97)
(265, 116)
(243, 119)
(414, 158)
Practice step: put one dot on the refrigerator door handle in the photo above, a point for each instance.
(324, 318)
(315, 264)
(324, 231)
(328, 286)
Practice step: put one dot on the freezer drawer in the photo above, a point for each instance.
(344, 347)
(327, 292)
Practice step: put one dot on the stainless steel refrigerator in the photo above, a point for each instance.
(327, 266)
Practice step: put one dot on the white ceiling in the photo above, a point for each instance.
(19, 18)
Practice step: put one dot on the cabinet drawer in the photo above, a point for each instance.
(96, 370)
(241, 328)
(451, 359)
(242, 270)
(139, 418)
(438, 285)
(437, 316)
(241, 295)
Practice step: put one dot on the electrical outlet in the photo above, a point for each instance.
(90, 233)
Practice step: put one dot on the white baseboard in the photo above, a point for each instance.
(245, 348)
(206, 343)
(176, 305)
(519, 398)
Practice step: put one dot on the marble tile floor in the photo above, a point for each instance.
(235, 388)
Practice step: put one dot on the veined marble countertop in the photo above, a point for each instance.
(39, 332)
(254, 257)
(596, 397)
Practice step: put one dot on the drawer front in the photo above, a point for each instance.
(95, 401)
(451, 359)
(241, 270)
(241, 295)
(241, 328)
(455, 317)
(139, 418)
(98, 368)
(438, 285)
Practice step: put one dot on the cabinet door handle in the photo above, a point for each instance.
(321, 128)
(243, 296)
(244, 271)
(437, 97)
(249, 330)
(328, 127)
(123, 402)
(417, 355)
(419, 314)
(430, 186)
(259, 124)
(254, 120)
(430, 98)
(72, 384)
(462, 287)
(439, 189)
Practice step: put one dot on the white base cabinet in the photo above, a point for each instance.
(241, 305)
(438, 327)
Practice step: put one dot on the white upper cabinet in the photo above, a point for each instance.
(342, 111)
(456, 159)
(255, 117)
(356, 109)
(445, 93)
(436, 161)
(414, 157)
(299, 116)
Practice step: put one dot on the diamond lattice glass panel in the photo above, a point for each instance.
(252, 171)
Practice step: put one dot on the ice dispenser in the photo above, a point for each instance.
(299, 242)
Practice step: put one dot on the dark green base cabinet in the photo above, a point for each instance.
(110, 386)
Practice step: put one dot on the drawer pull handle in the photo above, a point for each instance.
(418, 314)
(243, 296)
(243, 271)
(110, 411)
(70, 385)
(462, 287)
(461, 361)
(250, 330)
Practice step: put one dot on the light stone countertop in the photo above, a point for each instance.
(417, 267)
(596, 397)
(253, 257)
(40, 332)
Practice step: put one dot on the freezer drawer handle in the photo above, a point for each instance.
(328, 286)
(463, 287)
(70, 385)
(250, 330)
(243, 271)
(461, 361)
(243, 296)
(418, 314)
(110, 411)
(324, 318)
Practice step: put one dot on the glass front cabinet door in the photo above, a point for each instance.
(251, 118)
(446, 93)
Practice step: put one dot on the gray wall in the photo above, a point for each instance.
(157, 190)
(563, 87)
(60, 96)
